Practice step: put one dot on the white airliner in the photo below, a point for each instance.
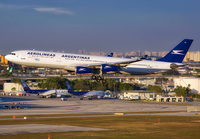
(45, 92)
(99, 65)
(82, 94)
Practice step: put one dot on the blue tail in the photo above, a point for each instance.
(110, 55)
(69, 87)
(178, 53)
(25, 86)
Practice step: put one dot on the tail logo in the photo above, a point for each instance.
(37, 59)
(25, 85)
(70, 90)
(177, 52)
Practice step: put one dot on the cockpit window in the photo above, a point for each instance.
(12, 53)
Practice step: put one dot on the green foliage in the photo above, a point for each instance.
(61, 74)
(155, 88)
(6, 75)
(98, 86)
(194, 95)
(17, 80)
(111, 85)
(13, 89)
(53, 83)
(127, 86)
(198, 76)
(85, 84)
(198, 70)
(182, 91)
(81, 84)
(41, 84)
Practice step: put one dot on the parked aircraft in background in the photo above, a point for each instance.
(99, 65)
(82, 94)
(45, 92)
(172, 60)
(28, 90)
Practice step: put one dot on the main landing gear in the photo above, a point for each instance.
(98, 78)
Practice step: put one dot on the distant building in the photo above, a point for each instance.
(192, 56)
(162, 54)
(9, 86)
(140, 94)
(169, 99)
(154, 54)
(185, 81)
(147, 53)
(146, 81)
(80, 51)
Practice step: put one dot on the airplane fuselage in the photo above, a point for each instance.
(69, 61)
(147, 67)
(65, 61)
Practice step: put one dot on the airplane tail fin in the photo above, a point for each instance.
(178, 53)
(110, 54)
(69, 87)
(25, 86)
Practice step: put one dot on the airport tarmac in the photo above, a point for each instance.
(32, 105)
(42, 128)
(38, 106)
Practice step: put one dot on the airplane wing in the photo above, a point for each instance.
(117, 63)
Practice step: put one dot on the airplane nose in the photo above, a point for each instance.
(8, 57)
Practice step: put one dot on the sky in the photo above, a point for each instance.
(98, 25)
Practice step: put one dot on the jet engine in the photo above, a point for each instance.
(173, 66)
(83, 70)
(107, 68)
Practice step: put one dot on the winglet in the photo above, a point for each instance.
(178, 53)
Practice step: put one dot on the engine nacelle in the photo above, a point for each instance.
(107, 68)
(83, 70)
(173, 66)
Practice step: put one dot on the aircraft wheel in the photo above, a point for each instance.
(98, 79)
(93, 77)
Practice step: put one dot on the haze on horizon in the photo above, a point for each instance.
(98, 26)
